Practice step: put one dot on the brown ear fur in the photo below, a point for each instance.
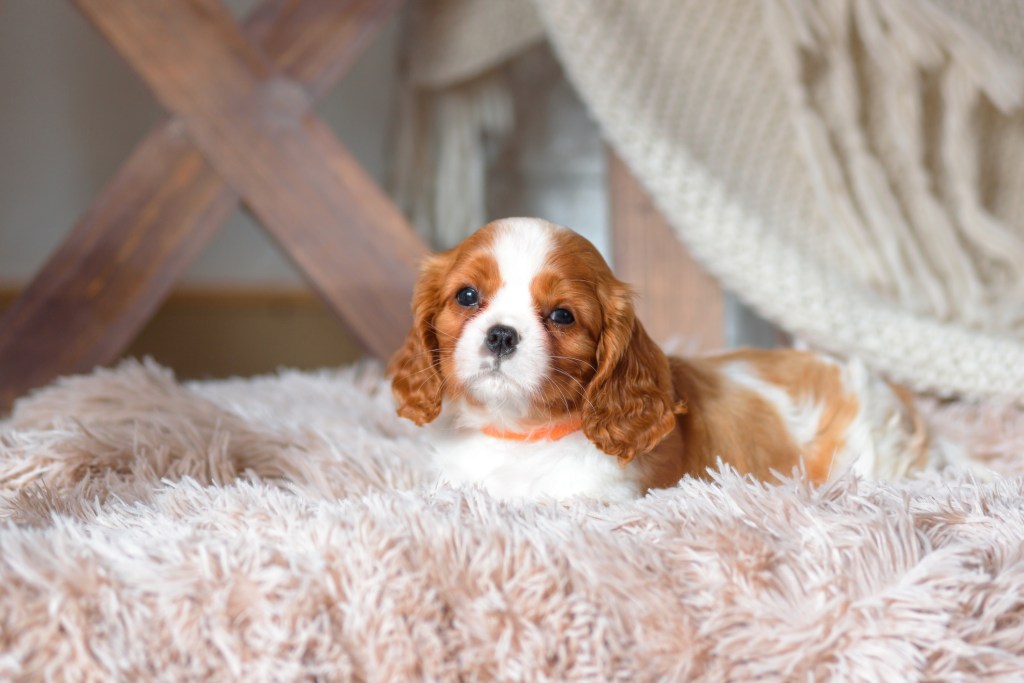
(630, 404)
(415, 368)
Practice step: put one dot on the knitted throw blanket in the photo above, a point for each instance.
(853, 169)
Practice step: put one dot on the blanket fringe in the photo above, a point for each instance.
(875, 85)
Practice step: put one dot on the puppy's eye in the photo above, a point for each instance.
(467, 297)
(560, 316)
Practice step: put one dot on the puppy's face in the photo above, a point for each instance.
(517, 332)
(525, 321)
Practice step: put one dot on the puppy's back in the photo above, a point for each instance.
(774, 410)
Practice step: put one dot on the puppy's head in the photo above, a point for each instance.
(525, 321)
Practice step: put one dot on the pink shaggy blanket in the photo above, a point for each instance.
(285, 528)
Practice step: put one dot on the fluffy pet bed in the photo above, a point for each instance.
(285, 528)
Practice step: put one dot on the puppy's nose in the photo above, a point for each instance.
(502, 340)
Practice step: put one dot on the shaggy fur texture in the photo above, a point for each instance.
(284, 528)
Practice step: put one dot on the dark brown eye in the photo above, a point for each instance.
(467, 296)
(560, 316)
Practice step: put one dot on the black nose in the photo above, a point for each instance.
(502, 340)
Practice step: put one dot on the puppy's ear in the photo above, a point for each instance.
(630, 403)
(415, 368)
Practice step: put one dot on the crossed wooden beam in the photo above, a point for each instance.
(242, 129)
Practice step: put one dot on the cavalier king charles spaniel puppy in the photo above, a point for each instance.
(538, 380)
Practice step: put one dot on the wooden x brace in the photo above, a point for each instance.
(242, 129)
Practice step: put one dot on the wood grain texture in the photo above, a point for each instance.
(676, 299)
(149, 223)
(109, 275)
(253, 125)
(316, 42)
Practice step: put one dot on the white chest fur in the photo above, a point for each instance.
(566, 468)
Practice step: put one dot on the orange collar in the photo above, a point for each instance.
(550, 433)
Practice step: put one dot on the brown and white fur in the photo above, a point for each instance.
(615, 416)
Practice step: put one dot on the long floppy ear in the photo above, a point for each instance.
(415, 368)
(630, 403)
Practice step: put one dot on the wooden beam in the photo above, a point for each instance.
(97, 290)
(109, 275)
(676, 300)
(316, 42)
(253, 126)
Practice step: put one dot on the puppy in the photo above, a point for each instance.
(529, 363)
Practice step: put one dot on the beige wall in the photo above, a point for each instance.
(71, 111)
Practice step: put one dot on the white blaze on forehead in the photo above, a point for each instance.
(521, 248)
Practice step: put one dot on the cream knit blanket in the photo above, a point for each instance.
(853, 169)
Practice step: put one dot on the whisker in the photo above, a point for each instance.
(437, 331)
(578, 360)
(432, 366)
(565, 399)
(435, 364)
(429, 352)
(583, 388)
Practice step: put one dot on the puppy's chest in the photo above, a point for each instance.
(568, 467)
